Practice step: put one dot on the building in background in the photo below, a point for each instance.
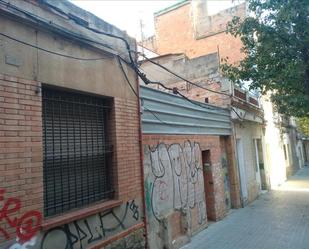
(187, 28)
(245, 113)
(70, 154)
(285, 150)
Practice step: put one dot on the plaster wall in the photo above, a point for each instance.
(274, 146)
(101, 76)
(246, 132)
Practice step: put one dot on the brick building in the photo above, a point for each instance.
(190, 174)
(246, 113)
(187, 27)
(185, 35)
(70, 154)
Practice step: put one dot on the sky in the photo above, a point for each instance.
(128, 15)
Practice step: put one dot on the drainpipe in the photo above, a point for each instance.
(141, 158)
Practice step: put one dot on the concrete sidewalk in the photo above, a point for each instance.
(277, 220)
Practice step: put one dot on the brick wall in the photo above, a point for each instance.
(127, 149)
(21, 173)
(175, 34)
(21, 170)
(181, 225)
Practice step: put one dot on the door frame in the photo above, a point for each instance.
(242, 171)
(257, 159)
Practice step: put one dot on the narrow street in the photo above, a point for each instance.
(276, 220)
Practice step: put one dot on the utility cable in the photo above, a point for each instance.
(135, 93)
(175, 91)
(50, 23)
(52, 52)
(94, 59)
(97, 31)
(207, 83)
(241, 119)
(180, 77)
(132, 62)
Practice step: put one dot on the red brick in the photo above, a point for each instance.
(21, 147)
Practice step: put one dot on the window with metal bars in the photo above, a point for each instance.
(77, 155)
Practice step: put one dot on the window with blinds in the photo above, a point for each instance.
(77, 157)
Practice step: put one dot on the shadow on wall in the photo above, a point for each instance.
(175, 197)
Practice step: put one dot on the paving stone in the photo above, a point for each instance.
(276, 220)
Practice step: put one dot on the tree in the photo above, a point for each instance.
(303, 124)
(276, 46)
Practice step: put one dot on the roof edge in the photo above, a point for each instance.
(172, 7)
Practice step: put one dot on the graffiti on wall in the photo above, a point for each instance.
(174, 181)
(26, 225)
(86, 232)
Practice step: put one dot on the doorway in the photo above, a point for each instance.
(260, 166)
(242, 172)
(208, 184)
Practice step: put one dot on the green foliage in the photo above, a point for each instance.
(303, 124)
(276, 44)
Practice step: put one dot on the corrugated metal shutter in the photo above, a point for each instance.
(76, 155)
(165, 113)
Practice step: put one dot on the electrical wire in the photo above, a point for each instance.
(134, 66)
(52, 52)
(175, 91)
(132, 62)
(96, 31)
(180, 77)
(135, 93)
(47, 22)
(90, 59)
(241, 118)
(126, 77)
(209, 83)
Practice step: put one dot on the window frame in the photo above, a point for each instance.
(108, 150)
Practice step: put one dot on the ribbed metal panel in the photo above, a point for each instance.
(165, 113)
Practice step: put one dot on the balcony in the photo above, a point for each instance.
(246, 97)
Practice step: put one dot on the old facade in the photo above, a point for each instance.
(285, 150)
(70, 154)
(187, 27)
(201, 32)
(246, 114)
(188, 166)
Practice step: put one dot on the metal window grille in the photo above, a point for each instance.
(77, 157)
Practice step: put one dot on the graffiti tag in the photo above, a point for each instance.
(26, 226)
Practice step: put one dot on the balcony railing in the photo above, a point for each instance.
(245, 96)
